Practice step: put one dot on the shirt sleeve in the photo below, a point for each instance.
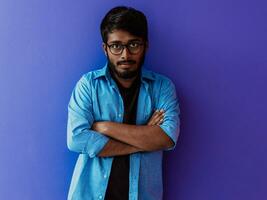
(169, 103)
(80, 138)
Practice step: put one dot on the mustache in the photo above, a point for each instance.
(126, 62)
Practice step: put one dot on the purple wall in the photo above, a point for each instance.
(216, 53)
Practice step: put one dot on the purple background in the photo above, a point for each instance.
(215, 52)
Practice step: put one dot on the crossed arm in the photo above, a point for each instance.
(127, 139)
(84, 135)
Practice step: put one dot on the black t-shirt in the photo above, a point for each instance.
(118, 185)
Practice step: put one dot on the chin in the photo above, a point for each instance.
(126, 74)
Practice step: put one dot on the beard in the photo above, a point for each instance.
(126, 74)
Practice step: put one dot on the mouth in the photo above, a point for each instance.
(124, 66)
(126, 63)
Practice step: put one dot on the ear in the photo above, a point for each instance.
(104, 47)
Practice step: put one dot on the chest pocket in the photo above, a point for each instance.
(106, 104)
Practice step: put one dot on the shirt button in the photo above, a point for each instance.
(105, 176)
(100, 197)
(119, 115)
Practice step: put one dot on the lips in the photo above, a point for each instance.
(126, 63)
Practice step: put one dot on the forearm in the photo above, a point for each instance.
(148, 138)
(117, 148)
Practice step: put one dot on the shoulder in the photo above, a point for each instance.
(89, 77)
(157, 78)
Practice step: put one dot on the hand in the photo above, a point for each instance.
(156, 118)
(99, 126)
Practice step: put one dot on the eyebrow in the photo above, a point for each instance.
(118, 41)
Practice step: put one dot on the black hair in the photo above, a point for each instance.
(124, 18)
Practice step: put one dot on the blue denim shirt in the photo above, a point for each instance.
(96, 97)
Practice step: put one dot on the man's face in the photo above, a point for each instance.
(128, 63)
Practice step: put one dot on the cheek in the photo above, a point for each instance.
(139, 59)
(113, 60)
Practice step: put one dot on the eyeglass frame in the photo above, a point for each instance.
(125, 46)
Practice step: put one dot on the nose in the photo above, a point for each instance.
(125, 54)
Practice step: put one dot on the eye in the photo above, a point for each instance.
(134, 45)
(115, 46)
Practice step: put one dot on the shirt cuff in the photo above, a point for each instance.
(96, 143)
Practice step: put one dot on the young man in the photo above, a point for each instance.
(121, 118)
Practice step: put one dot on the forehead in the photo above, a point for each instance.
(121, 36)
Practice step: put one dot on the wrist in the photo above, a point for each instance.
(105, 127)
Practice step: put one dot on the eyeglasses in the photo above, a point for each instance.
(132, 47)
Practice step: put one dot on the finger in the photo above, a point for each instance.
(151, 120)
(160, 121)
(159, 116)
(155, 114)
